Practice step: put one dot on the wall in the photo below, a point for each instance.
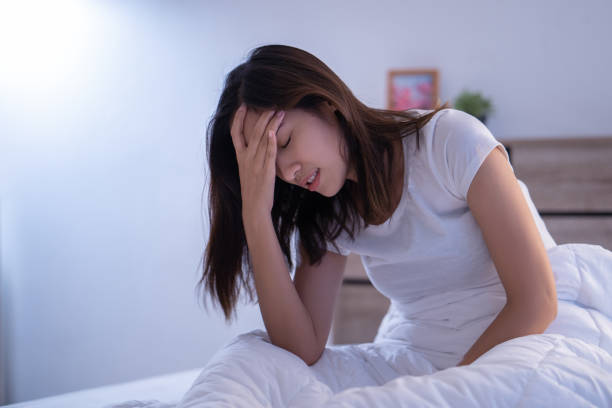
(103, 107)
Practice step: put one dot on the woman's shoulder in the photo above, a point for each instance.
(446, 115)
(450, 123)
(455, 117)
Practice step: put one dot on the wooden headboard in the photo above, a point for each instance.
(570, 183)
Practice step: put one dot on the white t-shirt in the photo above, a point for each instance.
(432, 243)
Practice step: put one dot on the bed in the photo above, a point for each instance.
(570, 365)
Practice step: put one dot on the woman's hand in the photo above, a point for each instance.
(256, 155)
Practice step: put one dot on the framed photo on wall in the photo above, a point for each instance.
(412, 89)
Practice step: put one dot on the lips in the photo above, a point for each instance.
(305, 180)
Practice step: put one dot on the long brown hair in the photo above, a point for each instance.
(283, 77)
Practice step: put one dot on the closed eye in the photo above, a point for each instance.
(288, 140)
(286, 144)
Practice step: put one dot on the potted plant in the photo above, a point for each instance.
(475, 104)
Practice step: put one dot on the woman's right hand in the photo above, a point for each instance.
(256, 154)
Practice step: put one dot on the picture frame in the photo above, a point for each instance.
(412, 89)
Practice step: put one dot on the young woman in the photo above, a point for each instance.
(426, 197)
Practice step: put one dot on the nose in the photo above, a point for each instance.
(286, 170)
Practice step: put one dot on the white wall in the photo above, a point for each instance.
(103, 107)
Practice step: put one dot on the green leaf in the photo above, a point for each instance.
(473, 103)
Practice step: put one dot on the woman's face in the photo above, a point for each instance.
(308, 144)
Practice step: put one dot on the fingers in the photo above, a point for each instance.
(237, 129)
(272, 127)
(259, 132)
(270, 159)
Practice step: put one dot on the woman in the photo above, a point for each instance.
(444, 228)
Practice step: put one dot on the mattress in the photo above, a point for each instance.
(148, 392)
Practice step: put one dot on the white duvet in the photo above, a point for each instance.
(570, 365)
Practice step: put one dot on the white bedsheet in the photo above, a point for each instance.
(570, 365)
(148, 392)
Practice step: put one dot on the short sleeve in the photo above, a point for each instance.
(340, 250)
(459, 145)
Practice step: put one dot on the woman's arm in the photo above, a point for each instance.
(286, 318)
(513, 321)
(297, 317)
(318, 287)
(513, 240)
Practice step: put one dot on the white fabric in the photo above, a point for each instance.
(568, 366)
(144, 393)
